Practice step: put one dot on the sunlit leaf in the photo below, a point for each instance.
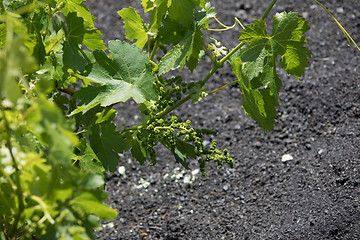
(134, 26)
(123, 74)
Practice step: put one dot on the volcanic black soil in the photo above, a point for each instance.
(315, 195)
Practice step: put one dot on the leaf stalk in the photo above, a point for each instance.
(268, 10)
(223, 87)
(154, 50)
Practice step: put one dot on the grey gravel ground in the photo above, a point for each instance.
(316, 195)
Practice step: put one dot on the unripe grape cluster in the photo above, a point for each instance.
(174, 130)
(170, 91)
(174, 133)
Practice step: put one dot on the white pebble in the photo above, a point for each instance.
(286, 157)
(122, 170)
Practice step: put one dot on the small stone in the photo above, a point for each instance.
(122, 171)
(255, 181)
(308, 146)
(226, 187)
(206, 143)
(340, 10)
(286, 158)
(321, 151)
(305, 15)
(108, 225)
(257, 144)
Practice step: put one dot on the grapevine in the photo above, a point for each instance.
(59, 83)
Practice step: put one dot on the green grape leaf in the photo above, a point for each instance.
(182, 11)
(88, 160)
(187, 37)
(139, 152)
(76, 30)
(181, 158)
(92, 39)
(106, 143)
(258, 104)
(82, 11)
(53, 42)
(90, 201)
(122, 75)
(203, 16)
(188, 52)
(77, 33)
(185, 148)
(72, 57)
(107, 115)
(157, 16)
(148, 5)
(286, 39)
(134, 26)
(171, 32)
(255, 64)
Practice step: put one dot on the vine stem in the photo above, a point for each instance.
(154, 50)
(268, 10)
(17, 176)
(221, 88)
(234, 50)
(67, 91)
(208, 52)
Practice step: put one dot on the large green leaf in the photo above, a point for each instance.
(91, 202)
(82, 11)
(107, 143)
(123, 74)
(72, 57)
(182, 11)
(134, 26)
(15, 59)
(80, 22)
(49, 126)
(88, 160)
(171, 32)
(158, 14)
(78, 33)
(258, 104)
(286, 39)
(255, 63)
(187, 37)
(188, 52)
